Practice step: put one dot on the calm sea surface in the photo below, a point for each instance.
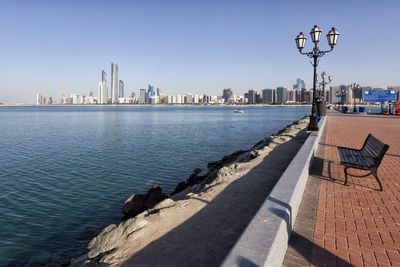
(66, 171)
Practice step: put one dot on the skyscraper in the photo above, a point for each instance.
(227, 95)
(114, 83)
(251, 95)
(39, 99)
(121, 89)
(142, 96)
(300, 84)
(268, 96)
(282, 95)
(102, 90)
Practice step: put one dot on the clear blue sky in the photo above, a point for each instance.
(199, 46)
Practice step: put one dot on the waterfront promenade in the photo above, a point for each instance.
(353, 225)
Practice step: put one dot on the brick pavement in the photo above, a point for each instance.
(356, 225)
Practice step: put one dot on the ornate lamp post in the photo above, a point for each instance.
(323, 83)
(356, 91)
(315, 54)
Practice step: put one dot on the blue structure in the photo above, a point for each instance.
(373, 96)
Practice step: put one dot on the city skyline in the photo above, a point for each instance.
(192, 47)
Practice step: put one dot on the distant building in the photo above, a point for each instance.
(251, 96)
(268, 96)
(76, 99)
(227, 95)
(340, 94)
(39, 99)
(298, 95)
(121, 89)
(152, 97)
(300, 84)
(189, 98)
(62, 99)
(114, 83)
(102, 89)
(292, 95)
(142, 96)
(179, 99)
(282, 95)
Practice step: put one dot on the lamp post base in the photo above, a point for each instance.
(313, 125)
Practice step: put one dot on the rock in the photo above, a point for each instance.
(197, 170)
(254, 154)
(179, 188)
(193, 179)
(154, 196)
(111, 236)
(228, 158)
(214, 164)
(155, 189)
(153, 200)
(134, 205)
(137, 203)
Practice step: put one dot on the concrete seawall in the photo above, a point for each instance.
(265, 239)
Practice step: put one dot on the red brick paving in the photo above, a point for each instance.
(355, 223)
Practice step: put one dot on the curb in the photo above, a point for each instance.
(265, 240)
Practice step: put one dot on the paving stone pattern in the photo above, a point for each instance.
(356, 225)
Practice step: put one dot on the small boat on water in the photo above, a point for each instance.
(238, 111)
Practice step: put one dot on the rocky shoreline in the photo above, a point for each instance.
(139, 209)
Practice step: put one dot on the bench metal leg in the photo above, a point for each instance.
(373, 172)
(345, 175)
(379, 182)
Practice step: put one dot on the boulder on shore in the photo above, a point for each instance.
(179, 188)
(197, 170)
(137, 203)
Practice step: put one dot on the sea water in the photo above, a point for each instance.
(65, 171)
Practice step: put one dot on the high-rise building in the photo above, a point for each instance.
(189, 98)
(251, 96)
(282, 95)
(102, 89)
(227, 95)
(62, 98)
(39, 99)
(268, 96)
(121, 89)
(114, 83)
(292, 95)
(142, 96)
(152, 97)
(300, 84)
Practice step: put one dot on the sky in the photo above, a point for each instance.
(199, 46)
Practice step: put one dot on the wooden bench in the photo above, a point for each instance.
(367, 158)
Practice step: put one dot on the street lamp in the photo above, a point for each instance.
(356, 92)
(315, 33)
(323, 83)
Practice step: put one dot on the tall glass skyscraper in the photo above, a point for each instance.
(102, 89)
(114, 83)
(121, 89)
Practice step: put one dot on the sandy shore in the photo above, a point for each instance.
(198, 226)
